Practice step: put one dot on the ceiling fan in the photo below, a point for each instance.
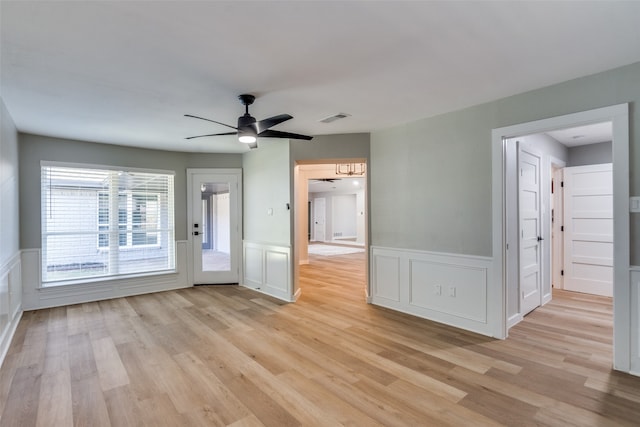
(248, 129)
(326, 179)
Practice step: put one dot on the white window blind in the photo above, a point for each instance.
(102, 223)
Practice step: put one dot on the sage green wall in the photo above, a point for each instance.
(9, 179)
(35, 148)
(591, 154)
(266, 182)
(339, 146)
(431, 179)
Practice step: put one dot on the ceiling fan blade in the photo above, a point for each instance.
(213, 134)
(209, 120)
(278, 134)
(265, 124)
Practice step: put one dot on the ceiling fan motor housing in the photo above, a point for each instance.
(246, 99)
(246, 124)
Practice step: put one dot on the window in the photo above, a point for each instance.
(103, 223)
(138, 218)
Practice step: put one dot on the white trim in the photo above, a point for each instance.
(7, 335)
(267, 268)
(11, 282)
(619, 115)
(635, 320)
(446, 288)
(237, 172)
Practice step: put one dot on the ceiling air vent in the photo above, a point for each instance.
(334, 117)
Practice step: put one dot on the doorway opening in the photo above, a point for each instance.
(559, 215)
(508, 230)
(331, 219)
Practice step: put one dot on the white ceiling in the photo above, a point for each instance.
(583, 135)
(339, 185)
(125, 72)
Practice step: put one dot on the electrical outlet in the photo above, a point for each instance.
(438, 289)
(452, 291)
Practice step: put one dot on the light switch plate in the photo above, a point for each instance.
(634, 204)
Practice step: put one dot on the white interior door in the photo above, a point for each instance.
(319, 214)
(214, 224)
(529, 221)
(588, 232)
(557, 225)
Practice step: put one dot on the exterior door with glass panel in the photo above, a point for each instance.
(214, 225)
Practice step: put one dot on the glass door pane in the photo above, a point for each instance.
(216, 226)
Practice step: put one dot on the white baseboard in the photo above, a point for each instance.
(514, 320)
(634, 327)
(446, 288)
(7, 335)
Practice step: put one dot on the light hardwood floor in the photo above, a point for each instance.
(230, 356)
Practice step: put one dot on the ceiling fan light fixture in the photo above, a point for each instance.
(247, 139)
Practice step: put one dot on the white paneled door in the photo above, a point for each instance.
(530, 229)
(588, 229)
(214, 221)
(319, 221)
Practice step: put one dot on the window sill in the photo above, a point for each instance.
(87, 281)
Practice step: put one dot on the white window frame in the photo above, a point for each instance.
(169, 227)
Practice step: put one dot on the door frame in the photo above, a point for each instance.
(190, 253)
(619, 116)
(302, 173)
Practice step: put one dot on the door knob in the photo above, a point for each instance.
(540, 238)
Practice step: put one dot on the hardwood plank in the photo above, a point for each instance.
(122, 407)
(228, 356)
(55, 402)
(21, 408)
(111, 371)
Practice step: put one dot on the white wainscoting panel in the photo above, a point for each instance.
(447, 288)
(267, 268)
(386, 283)
(10, 301)
(253, 266)
(635, 320)
(36, 297)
